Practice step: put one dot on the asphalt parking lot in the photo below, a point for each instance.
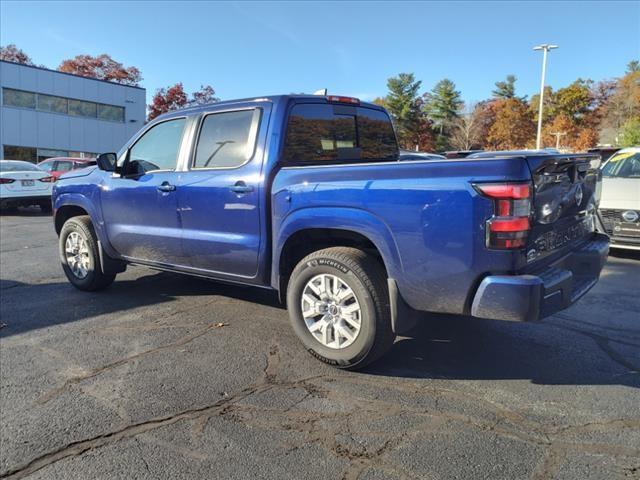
(163, 376)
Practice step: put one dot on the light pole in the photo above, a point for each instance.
(545, 48)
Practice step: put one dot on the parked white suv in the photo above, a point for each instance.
(620, 202)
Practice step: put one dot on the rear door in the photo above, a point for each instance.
(140, 207)
(220, 196)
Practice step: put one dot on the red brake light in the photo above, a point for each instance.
(505, 190)
(48, 179)
(509, 226)
(7, 180)
(338, 99)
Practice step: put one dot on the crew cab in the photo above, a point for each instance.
(305, 195)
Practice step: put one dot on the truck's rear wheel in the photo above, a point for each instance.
(338, 304)
(79, 255)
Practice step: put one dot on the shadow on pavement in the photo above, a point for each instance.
(552, 352)
(559, 350)
(28, 307)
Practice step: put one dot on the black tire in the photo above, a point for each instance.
(46, 207)
(95, 278)
(367, 278)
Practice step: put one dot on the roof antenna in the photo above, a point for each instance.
(322, 91)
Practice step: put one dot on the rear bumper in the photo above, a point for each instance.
(24, 200)
(542, 293)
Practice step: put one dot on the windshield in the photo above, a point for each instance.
(623, 165)
(17, 166)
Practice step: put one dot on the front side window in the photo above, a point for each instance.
(46, 166)
(623, 165)
(18, 98)
(157, 149)
(64, 166)
(80, 108)
(227, 139)
(321, 133)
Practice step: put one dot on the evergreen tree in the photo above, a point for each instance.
(505, 89)
(442, 106)
(403, 104)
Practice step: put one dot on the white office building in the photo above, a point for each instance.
(45, 113)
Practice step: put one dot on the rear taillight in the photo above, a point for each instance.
(7, 180)
(47, 179)
(509, 226)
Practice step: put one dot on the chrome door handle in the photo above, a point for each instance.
(166, 187)
(241, 187)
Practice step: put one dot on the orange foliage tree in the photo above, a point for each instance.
(513, 127)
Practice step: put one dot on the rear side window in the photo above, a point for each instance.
(320, 133)
(227, 139)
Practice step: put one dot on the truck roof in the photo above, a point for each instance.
(269, 98)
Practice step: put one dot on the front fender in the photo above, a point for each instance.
(338, 218)
(89, 202)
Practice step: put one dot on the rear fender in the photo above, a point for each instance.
(349, 219)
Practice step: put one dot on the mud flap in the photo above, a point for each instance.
(403, 317)
(110, 265)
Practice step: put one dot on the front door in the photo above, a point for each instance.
(140, 207)
(219, 197)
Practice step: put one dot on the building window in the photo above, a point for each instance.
(111, 113)
(44, 153)
(83, 154)
(18, 98)
(49, 103)
(37, 155)
(27, 154)
(66, 106)
(80, 108)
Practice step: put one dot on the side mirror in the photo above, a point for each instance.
(107, 162)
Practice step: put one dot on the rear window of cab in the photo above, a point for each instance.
(327, 133)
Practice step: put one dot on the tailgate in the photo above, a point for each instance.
(565, 198)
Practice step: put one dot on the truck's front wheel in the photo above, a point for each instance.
(79, 255)
(338, 304)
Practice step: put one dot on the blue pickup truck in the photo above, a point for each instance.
(306, 195)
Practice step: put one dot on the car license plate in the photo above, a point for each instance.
(626, 229)
(28, 183)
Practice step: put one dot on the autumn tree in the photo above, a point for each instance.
(442, 105)
(467, 129)
(205, 95)
(574, 101)
(631, 133)
(622, 106)
(633, 66)
(174, 98)
(11, 53)
(513, 127)
(101, 67)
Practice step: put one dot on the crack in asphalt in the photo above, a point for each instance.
(79, 447)
(329, 430)
(48, 396)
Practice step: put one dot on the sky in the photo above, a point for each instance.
(246, 49)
